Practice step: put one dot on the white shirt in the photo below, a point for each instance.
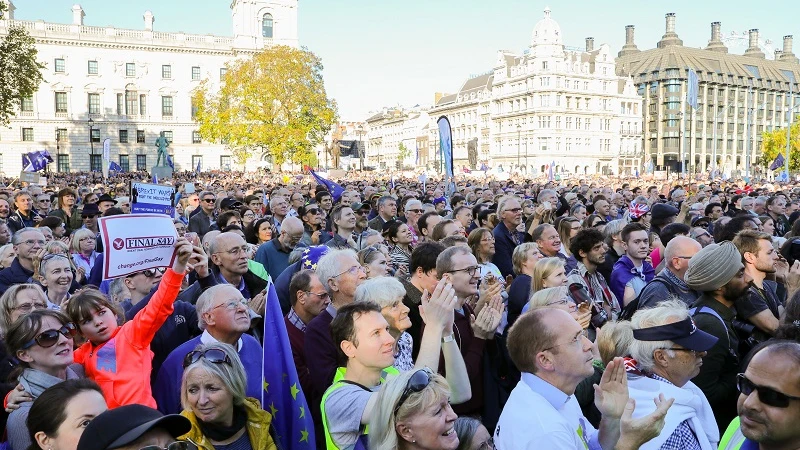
(539, 416)
(206, 338)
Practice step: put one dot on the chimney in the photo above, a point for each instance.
(778, 54)
(630, 46)
(787, 54)
(753, 50)
(670, 36)
(77, 15)
(149, 18)
(715, 44)
(589, 44)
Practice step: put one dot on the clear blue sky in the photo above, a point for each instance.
(384, 53)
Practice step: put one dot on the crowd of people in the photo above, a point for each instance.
(476, 314)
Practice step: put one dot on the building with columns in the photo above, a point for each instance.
(394, 136)
(130, 85)
(740, 97)
(551, 105)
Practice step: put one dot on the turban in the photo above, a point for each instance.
(713, 267)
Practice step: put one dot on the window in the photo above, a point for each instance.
(140, 136)
(194, 109)
(166, 106)
(196, 139)
(95, 163)
(225, 162)
(123, 136)
(197, 161)
(61, 134)
(62, 162)
(168, 135)
(125, 162)
(266, 25)
(141, 162)
(196, 73)
(131, 103)
(142, 105)
(130, 69)
(222, 73)
(95, 135)
(94, 103)
(166, 71)
(93, 69)
(120, 104)
(544, 65)
(27, 104)
(60, 65)
(27, 134)
(61, 102)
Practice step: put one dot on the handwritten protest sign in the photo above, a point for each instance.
(152, 198)
(135, 242)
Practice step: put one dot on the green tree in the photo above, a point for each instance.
(774, 142)
(403, 152)
(273, 103)
(20, 72)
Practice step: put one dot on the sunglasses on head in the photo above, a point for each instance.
(49, 338)
(767, 396)
(418, 381)
(212, 355)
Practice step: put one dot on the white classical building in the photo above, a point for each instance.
(130, 85)
(393, 129)
(550, 105)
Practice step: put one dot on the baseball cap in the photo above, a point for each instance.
(230, 203)
(356, 206)
(119, 427)
(684, 333)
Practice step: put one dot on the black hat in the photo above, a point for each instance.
(106, 198)
(701, 221)
(90, 209)
(119, 427)
(662, 211)
(684, 333)
(230, 203)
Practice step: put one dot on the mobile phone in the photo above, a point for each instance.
(191, 236)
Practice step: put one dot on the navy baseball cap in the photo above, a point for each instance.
(684, 333)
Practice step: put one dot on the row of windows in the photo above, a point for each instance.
(95, 162)
(62, 136)
(129, 104)
(60, 66)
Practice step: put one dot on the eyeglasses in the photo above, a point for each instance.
(469, 270)
(693, 352)
(49, 338)
(232, 304)
(313, 211)
(417, 211)
(86, 239)
(236, 251)
(487, 444)
(209, 200)
(32, 242)
(212, 355)
(513, 210)
(416, 383)
(352, 271)
(767, 396)
(574, 341)
(28, 307)
(320, 296)
(177, 445)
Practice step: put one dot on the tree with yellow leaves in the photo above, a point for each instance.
(273, 103)
(774, 143)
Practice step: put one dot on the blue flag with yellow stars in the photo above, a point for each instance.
(282, 396)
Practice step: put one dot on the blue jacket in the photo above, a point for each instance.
(504, 248)
(15, 274)
(623, 272)
(179, 327)
(273, 257)
(167, 388)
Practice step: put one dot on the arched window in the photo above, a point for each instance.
(266, 25)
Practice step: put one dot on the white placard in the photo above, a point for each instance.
(135, 242)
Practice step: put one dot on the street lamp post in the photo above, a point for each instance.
(360, 132)
(91, 143)
(714, 140)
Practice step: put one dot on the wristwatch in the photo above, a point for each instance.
(448, 338)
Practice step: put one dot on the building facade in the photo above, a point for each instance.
(393, 137)
(551, 105)
(739, 97)
(128, 86)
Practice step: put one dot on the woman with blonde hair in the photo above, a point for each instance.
(557, 297)
(547, 273)
(19, 300)
(413, 412)
(523, 260)
(83, 246)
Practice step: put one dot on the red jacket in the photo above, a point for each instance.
(122, 365)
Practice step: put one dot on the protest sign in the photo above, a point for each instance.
(152, 198)
(135, 242)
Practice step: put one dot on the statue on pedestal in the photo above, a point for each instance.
(162, 143)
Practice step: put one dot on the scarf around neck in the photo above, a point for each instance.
(35, 381)
(218, 433)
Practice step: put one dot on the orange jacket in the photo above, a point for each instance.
(122, 365)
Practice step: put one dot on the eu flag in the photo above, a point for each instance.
(114, 167)
(170, 162)
(282, 395)
(335, 190)
(778, 162)
(35, 161)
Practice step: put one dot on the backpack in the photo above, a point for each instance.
(629, 309)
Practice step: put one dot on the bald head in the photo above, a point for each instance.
(292, 225)
(678, 252)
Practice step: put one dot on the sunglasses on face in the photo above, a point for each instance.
(209, 200)
(149, 273)
(49, 338)
(212, 355)
(177, 445)
(418, 381)
(767, 396)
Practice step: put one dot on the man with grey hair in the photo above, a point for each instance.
(669, 349)
(387, 210)
(413, 211)
(677, 197)
(27, 243)
(612, 235)
(760, 205)
(124, 203)
(506, 235)
(279, 207)
(274, 255)
(669, 282)
(223, 315)
(340, 274)
(748, 203)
